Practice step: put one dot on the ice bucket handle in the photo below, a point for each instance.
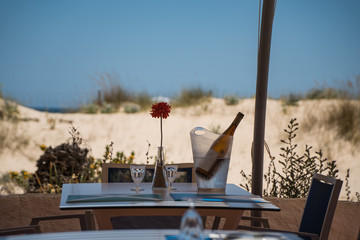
(200, 131)
(201, 141)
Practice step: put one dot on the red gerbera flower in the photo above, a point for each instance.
(160, 110)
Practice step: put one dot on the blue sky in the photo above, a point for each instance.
(51, 51)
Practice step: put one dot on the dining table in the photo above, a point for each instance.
(118, 199)
(153, 234)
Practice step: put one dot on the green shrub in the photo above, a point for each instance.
(216, 129)
(323, 93)
(8, 110)
(108, 108)
(192, 96)
(91, 108)
(290, 100)
(111, 91)
(11, 183)
(116, 95)
(131, 108)
(231, 100)
(10, 135)
(21, 178)
(66, 163)
(349, 89)
(120, 157)
(143, 100)
(294, 178)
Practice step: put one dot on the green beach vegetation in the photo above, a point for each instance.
(290, 177)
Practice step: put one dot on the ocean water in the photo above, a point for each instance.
(54, 109)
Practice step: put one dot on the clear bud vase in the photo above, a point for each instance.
(159, 178)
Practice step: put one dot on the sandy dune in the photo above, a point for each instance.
(132, 131)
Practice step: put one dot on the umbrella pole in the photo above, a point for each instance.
(261, 98)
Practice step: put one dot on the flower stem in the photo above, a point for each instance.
(161, 132)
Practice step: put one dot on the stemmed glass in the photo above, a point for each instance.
(171, 174)
(191, 224)
(137, 175)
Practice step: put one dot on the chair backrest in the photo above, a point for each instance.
(87, 220)
(320, 205)
(118, 172)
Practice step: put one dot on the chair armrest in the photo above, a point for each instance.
(36, 220)
(311, 235)
(87, 220)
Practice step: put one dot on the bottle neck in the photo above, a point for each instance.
(231, 129)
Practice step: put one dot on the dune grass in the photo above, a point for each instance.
(191, 96)
(231, 100)
(112, 96)
(344, 113)
(10, 136)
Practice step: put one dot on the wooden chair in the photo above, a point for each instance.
(118, 172)
(319, 209)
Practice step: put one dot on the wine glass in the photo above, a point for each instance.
(191, 227)
(137, 175)
(171, 174)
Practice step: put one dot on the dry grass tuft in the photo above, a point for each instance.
(191, 96)
(343, 115)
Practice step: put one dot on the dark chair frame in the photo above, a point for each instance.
(87, 220)
(182, 167)
(20, 230)
(306, 229)
(87, 223)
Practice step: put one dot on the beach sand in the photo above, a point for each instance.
(132, 132)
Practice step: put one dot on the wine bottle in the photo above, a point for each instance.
(218, 150)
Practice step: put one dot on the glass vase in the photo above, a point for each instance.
(159, 178)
